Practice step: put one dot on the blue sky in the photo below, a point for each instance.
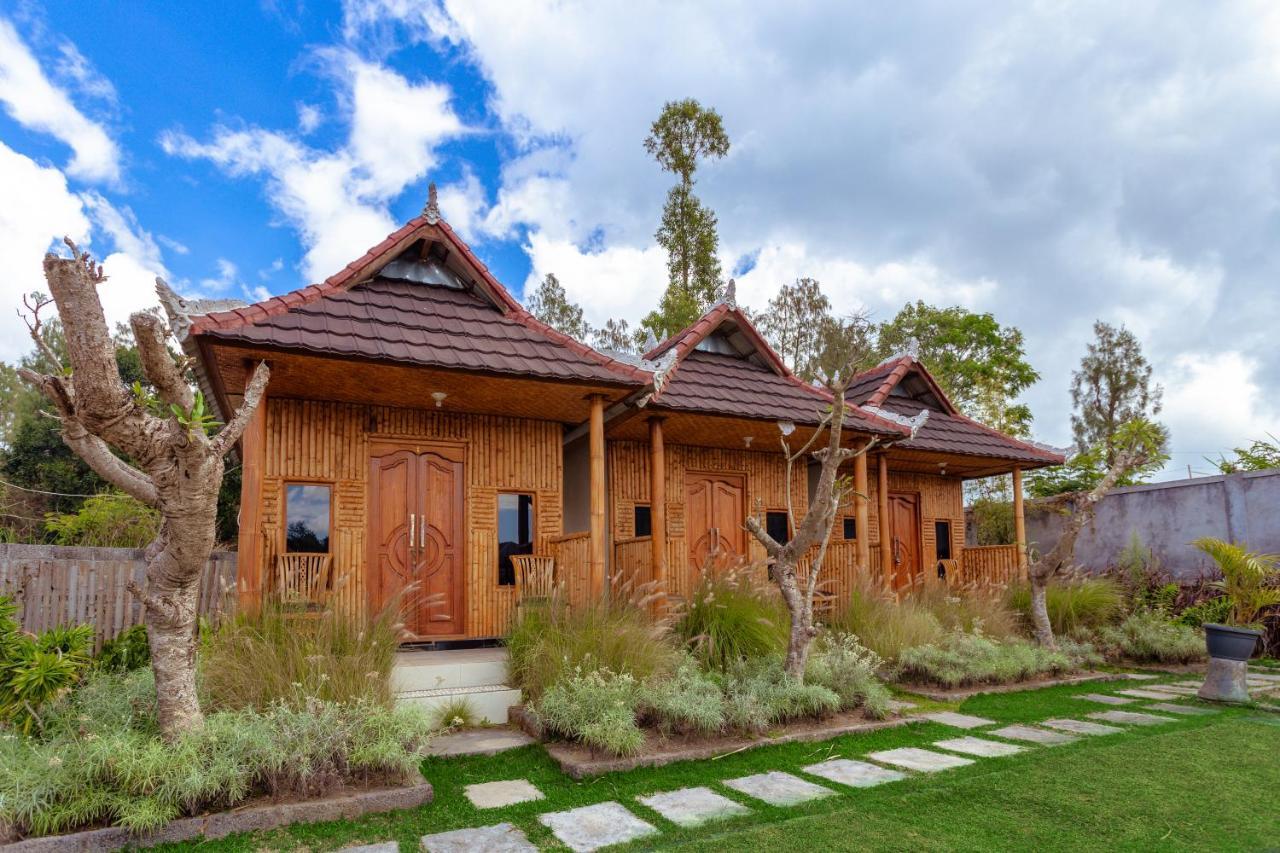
(1051, 163)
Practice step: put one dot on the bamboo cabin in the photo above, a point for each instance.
(422, 428)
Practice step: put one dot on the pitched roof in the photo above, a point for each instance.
(359, 313)
(946, 430)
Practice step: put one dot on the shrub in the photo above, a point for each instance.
(127, 650)
(100, 766)
(1148, 637)
(1248, 579)
(730, 617)
(969, 608)
(1073, 605)
(37, 669)
(962, 659)
(688, 702)
(549, 643)
(108, 520)
(1211, 610)
(759, 693)
(272, 654)
(845, 667)
(884, 625)
(596, 707)
(457, 712)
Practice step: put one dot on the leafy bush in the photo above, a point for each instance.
(108, 520)
(1149, 637)
(730, 617)
(847, 668)
(549, 643)
(258, 658)
(1249, 579)
(1214, 611)
(103, 761)
(37, 669)
(688, 702)
(1075, 604)
(885, 625)
(962, 659)
(969, 608)
(127, 650)
(457, 712)
(596, 707)
(759, 693)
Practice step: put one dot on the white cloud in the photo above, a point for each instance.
(621, 281)
(33, 101)
(309, 118)
(228, 276)
(463, 204)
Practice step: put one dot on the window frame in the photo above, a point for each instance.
(844, 521)
(786, 518)
(635, 519)
(284, 516)
(938, 522)
(497, 533)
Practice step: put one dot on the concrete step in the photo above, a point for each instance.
(488, 702)
(416, 670)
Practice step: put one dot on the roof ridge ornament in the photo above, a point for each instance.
(914, 424)
(432, 210)
(910, 349)
(731, 294)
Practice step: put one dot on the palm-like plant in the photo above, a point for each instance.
(1246, 579)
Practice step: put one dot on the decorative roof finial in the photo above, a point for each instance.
(912, 348)
(731, 293)
(432, 210)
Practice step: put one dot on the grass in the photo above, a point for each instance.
(1074, 604)
(1143, 789)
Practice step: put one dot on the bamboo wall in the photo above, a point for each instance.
(990, 565)
(572, 556)
(311, 441)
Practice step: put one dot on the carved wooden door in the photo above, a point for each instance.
(416, 537)
(715, 511)
(904, 527)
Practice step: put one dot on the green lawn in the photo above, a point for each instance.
(1198, 783)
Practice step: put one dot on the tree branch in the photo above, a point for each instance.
(253, 394)
(157, 363)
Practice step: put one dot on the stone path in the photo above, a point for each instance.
(1106, 699)
(959, 721)
(495, 795)
(478, 742)
(1032, 735)
(592, 827)
(1186, 710)
(1130, 717)
(693, 806)
(855, 774)
(384, 847)
(978, 746)
(1147, 694)
(923, 760)
(500, 838)
(1082, 727)
(778, 789)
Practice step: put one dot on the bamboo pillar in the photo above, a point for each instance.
(596, 555)
(861, 514)
(249, 569)
(1019, 524)
(658, 504)
(886, 525)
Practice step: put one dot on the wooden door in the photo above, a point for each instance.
(416, 534)
(904, 528)
(715, 513)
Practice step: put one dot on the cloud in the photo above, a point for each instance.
(34, 102)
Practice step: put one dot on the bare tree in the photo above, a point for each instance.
(157, 449)
(1137, 444)
(814, 531)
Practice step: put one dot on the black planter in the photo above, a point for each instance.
(1228, 643)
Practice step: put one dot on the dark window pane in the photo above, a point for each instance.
(515, 533)
(775, 523)
(850, 528)
(644, 521)
(942, 533)
(307, 519)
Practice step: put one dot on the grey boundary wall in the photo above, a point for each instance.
(57, 585)
(1242, 508)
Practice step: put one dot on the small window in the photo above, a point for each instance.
(850, 528)
(643, 521)
(775, 524)
(306, 519)
(942, 535)
(515, 533)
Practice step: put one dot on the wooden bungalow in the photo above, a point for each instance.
(420, 426)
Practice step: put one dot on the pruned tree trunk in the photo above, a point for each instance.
(173, 464)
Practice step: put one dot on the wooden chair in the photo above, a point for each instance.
(303, 580)
(535, 578)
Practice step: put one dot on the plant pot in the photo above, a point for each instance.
(1229, 643)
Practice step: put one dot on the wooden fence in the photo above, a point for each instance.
(989, 565)
(571, 553)
(54, 585)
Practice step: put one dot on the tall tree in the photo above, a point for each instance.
(550, 304)
(1112, 387)
(156, 448)
(794, 325)
(684, 133)
(981, 365)
(615, 335)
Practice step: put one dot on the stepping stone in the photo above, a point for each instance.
(1140, 676)
(855, 774)
(478, 742)
(778, 789)
(1032, 735)
(924, 760)
(1130, 717)
(500, 838)
(1107, 700)
(592, 827)
(1180, 689)
(494, 795)
(1147, 694)
(384, 847)
(1265, 676)
(1081, 727)
(1188, 710)
(959, 721)
(978, 746)
(1190, 682)
(693, 806)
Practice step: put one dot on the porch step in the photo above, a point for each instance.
(489, 703)
(436, 678)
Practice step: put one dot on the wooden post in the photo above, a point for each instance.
(886, 526)
(861, 514)
(249, 568)
(596, 556)
(658, 504)
(1019, 524)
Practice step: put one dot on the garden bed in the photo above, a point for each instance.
(263, 813)
(943, 694)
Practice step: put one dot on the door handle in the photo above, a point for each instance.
(422, 533)
(412, 530)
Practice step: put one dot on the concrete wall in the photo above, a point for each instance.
(1242, 508)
